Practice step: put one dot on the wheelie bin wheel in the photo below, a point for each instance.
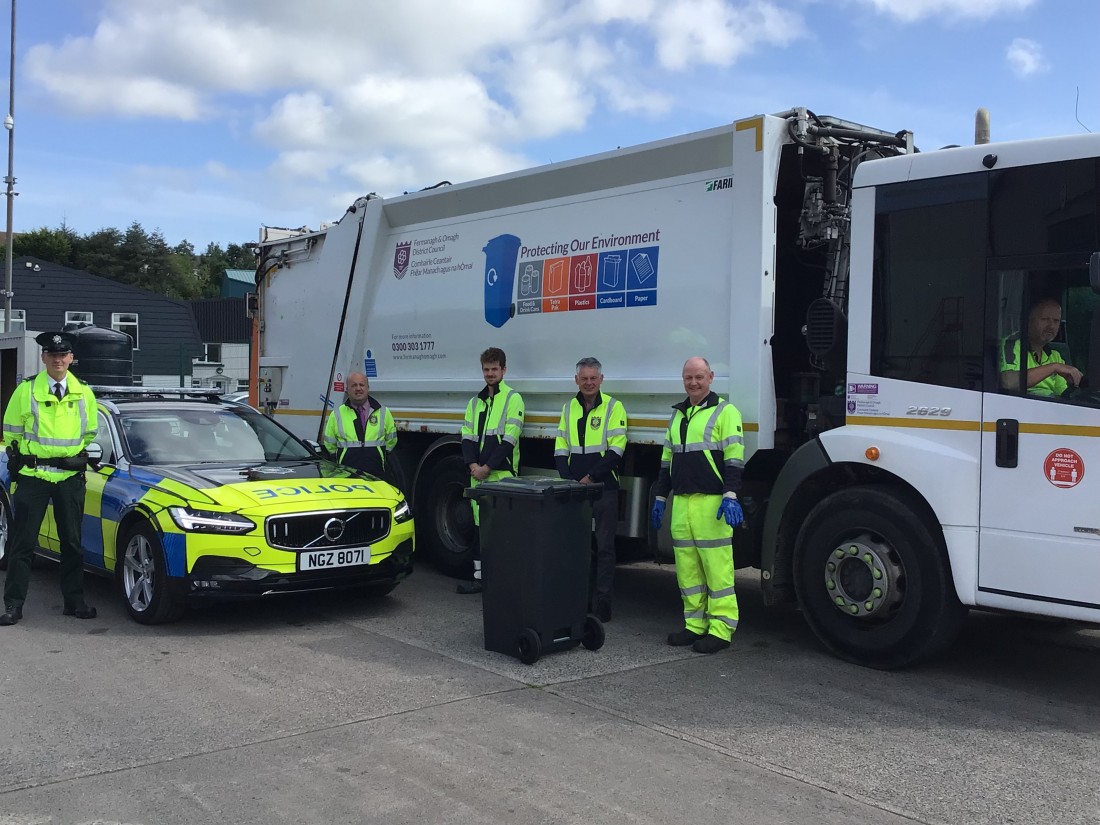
(593, 633)
(529, 646)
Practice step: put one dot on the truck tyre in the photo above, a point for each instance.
(873, 580)
(143, 578)
(447, 519)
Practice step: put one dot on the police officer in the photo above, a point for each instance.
(490, 438)
(360, 433)
(50, 419)
(701, 464)
(590, 444)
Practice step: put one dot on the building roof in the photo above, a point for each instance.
(245, 276)
(168, 336)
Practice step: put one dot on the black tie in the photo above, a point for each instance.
(57, 391)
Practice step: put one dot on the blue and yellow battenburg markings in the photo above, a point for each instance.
(105, 508)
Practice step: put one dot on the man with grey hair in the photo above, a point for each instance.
(590, 444)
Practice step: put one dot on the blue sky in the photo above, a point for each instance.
(208, 118)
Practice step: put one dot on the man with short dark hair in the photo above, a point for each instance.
(50, 419)
(589, 446)
(490, 438)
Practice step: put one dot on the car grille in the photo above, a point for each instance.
(322, 531)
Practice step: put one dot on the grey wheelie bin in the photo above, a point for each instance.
(536, 536)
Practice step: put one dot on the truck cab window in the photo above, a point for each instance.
(1043, 317)
(928, 300)
(1047, 335)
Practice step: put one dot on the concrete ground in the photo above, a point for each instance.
(331, 709)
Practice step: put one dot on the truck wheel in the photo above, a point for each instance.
(143, 578)
(873, 579)
(447, 519)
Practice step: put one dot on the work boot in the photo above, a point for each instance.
(80, 610)
(682, 638)
(466, 588)
(10, 616)
(603, 611)
(710, 644)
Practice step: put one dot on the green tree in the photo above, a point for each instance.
(53, 245)
(98, 254)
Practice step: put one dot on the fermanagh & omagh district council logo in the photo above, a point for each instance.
(401, 259)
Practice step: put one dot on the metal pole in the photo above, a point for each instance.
(9, 124)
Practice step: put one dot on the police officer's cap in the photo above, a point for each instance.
(60, 342)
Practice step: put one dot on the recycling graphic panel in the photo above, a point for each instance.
(568, 271)
(538, 282)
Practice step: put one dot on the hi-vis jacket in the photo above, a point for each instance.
(359, 446)
(491, 429)
(47, 428)
(591, 443)
(704, 449)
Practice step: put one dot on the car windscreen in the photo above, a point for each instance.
(182, 436)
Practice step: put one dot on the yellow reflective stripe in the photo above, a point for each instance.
(732, 623)
(923, 423)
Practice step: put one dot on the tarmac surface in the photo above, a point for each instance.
(331, 709)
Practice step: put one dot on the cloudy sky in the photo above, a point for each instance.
(208, 118)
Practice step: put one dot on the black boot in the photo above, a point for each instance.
(682, 638)
(466, 588)
(80, 610)
(10, 616)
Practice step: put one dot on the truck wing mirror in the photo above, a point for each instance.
(1094, 272)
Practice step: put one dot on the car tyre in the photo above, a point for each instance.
(143, 578)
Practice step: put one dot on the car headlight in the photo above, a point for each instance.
(402, 512)
(209, 521)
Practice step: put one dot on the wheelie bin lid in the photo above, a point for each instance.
(535, 487)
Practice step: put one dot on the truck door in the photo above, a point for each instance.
(1039, 528)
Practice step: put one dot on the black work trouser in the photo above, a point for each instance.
(32, 496)
(605, 511)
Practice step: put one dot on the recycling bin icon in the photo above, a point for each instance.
(501, 255)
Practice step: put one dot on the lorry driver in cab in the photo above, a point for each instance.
(1047, 372)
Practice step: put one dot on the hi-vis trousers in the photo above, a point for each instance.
(703, 546)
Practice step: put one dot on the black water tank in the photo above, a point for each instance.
(102, 356)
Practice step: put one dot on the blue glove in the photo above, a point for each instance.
(730, 510)
(657, 514)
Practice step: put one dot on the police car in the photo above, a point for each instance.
(197, 499)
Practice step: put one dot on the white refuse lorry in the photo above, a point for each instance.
(861, 302)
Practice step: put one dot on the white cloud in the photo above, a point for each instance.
(1025, 57)
(910, 11)
(714, 32)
